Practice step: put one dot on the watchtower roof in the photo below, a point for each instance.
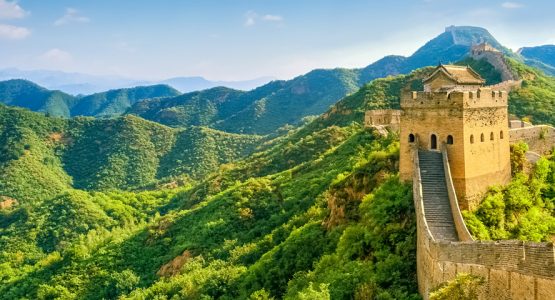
(459, 74)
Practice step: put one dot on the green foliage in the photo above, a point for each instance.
(261, 111)
(536, 98)
(43, 156)
(521, 210)
(463, 287)
(518, 157)
(253, 229)
(26, 94)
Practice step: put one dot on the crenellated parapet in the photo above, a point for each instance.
(482, 97)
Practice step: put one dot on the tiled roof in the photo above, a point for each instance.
(460, 74)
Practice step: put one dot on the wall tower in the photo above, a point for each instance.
(455, 111)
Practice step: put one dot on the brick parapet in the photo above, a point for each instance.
(483, 97)
(462, 231)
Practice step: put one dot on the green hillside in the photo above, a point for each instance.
(536, 99)
(237, 233)
(316, 213)
(26, 94)
(44, 156)
(116, 102)
(244, 231)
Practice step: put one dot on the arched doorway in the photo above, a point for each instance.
(433, 142)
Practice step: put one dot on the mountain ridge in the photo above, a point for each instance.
(27, 94)
(314, 92)
(84, 84)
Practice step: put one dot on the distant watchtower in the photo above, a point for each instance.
(456, 113)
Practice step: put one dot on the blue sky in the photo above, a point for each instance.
(243, 39)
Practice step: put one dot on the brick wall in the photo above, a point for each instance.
(512, 269)
(540, 139)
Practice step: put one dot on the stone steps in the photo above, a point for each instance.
(437, 208)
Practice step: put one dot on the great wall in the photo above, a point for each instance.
(445, 131)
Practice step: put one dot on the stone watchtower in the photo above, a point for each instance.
(456, 113)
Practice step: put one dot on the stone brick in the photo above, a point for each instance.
(522, 286)
(545, 289)
(499, 284)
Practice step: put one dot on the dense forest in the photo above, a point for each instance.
(108, 208)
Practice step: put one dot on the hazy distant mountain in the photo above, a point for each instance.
(545, 53)
(542, 57)
(71, 83)
(24, 93)
(189, 84)
(85, 84)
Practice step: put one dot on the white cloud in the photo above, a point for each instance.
(13, 32)
(11, 10)
(511, 5)
(251, 18)
(56, 56)
(71, 16)
(272, 18)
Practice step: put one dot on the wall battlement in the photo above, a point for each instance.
(483, 97)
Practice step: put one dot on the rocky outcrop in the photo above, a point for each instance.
(7, 202)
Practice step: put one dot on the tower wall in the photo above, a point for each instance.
(463, 115)
(427, 113)
(486, 160)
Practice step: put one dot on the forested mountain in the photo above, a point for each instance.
(262, 110)
(269, 107)
(52, 154)
(245, 230)
(116, 102)
(278, 103)
(125, 208)
(26, 94)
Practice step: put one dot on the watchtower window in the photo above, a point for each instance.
(472, 139)
(450, 140)
(482, 138)
(433, 142)
(491, 136)
(501, 135)
(411, 138)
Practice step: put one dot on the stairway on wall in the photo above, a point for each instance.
(437, 208)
